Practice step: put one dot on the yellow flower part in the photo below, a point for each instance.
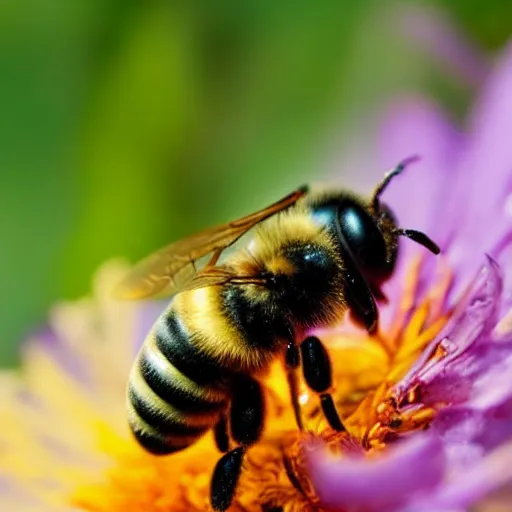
(65, 445)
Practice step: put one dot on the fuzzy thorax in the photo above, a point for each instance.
(301, 266)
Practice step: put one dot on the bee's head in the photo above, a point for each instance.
(370, 241)
(369, 233)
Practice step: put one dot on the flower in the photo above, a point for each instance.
(461, 195)
(65, 444)
(427, 402)
(68, 397)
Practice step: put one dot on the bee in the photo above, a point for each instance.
(300, 263)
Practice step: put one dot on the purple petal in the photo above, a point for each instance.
(418, 197)
(436, 35)
(475, 379)
(413, 467)
(476, 481)
(482, 428)
(60, 352)
(147, 316)
(490, 154)
(471, 325)
(487, 163)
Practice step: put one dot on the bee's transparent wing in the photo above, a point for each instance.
(175, 267)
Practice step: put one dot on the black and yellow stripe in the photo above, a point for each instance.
(179, 386)
(172, 386)
(158, 425)
(213, 343)
(176, 343)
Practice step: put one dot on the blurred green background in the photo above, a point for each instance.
(127, 124)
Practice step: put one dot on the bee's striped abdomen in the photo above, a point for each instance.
(179, 386)
(175, 389)
(183, 349)
(172, 396)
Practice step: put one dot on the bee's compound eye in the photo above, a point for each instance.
(364, 238)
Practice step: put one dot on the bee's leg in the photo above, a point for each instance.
(225, 477)
(292, 362)
(221, 434)
(361, 302)
(246, 421)
(318, 376)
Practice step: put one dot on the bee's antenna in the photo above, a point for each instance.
(419, 238)
(375, 203)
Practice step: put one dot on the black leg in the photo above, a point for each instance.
(246, 421)
(225, 477)
(221, 434)
(358, 294)
(330, 412)
(292, 362)
(363, 309)
(318, 376)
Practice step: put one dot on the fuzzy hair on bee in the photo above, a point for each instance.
(301, 264)
(297, 264)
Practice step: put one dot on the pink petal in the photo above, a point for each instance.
(413, 467)
(487, 163)
(418, 197)
(470, 326)
(477, 480)
(434, 33)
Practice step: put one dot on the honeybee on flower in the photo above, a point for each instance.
(313, 257)
(426, 405)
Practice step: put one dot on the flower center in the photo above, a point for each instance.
(275, 475)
